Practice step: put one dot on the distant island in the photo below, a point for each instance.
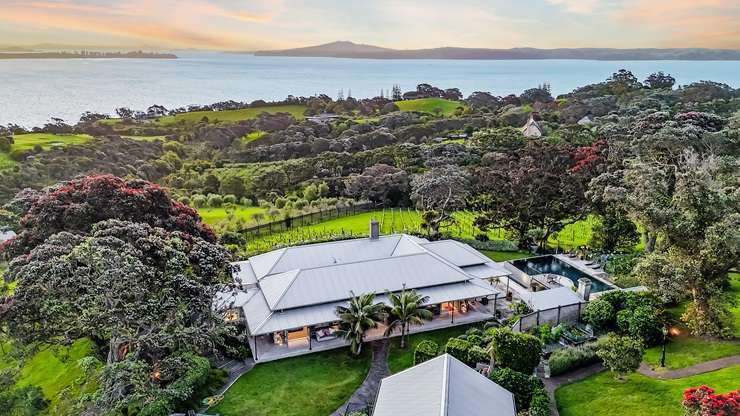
(87, 55)
(344, 49)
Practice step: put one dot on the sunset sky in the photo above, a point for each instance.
(266, 24)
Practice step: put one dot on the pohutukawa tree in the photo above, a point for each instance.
(143, 292)
(439, 192)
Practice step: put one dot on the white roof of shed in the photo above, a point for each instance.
(442, 386)
(552, 298)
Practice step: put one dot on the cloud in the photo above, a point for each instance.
(576, 6)
(697, 23)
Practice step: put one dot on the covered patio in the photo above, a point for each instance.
(289, 343)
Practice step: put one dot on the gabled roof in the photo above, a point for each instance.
(442, 386)
(457, 253)
(304, 287)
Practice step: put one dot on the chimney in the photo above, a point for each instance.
(374, 229)
(584, 288)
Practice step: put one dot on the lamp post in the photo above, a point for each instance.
(662, 356)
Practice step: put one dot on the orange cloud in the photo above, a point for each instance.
(188, 23)
(699, 23)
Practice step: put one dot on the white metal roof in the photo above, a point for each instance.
(6, 235)
(551, 298)
(442, 386)
(456, 253)
(244, 272)
(259, 323)
(486, 270)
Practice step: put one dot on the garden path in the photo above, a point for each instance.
(365, 395)
(704, 367)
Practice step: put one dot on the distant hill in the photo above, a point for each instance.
(86, 55)
(346, 49)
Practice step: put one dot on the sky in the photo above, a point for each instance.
(275, 24)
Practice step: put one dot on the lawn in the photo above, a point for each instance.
(54, 370)
(601, 395)
(401, 359)
(212, 216)
(5, 161)
(429, 105)
(685, 351)
(309, 385)
(233, 115)
(506, 255)
(47, 141)
(255, 135)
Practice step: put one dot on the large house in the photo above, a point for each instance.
(442, 386)
(289, 296)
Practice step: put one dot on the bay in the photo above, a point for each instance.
(33, 90)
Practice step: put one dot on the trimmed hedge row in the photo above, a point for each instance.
(425, 350)
(568, 359)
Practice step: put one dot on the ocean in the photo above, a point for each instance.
(34, 90)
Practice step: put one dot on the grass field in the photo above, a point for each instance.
(398, 220)
(401, 359)
(45, 140)
(212, 216)
(232, 115)
(685, 351)
(54, 370)
(309, 385)
(601, 395)
(255, 135)
(429, 105)
(506, 255)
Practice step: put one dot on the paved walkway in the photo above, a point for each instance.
(704, 367)
(365, 395)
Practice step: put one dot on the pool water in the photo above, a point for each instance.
(551, 264)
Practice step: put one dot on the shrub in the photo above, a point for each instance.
(229, 199)
(280, 203)
(524, 387)
(458, 348)
(477, 355)
(703, 401)
(184, 200)
(520, 352)
(215, 200)
(425, 350)
(244, 201)
(642, 322)
(199, 201)
(549, 335)
(475, 339)
(540, 404)
(568, 359)
(599, 314)
(620, 354)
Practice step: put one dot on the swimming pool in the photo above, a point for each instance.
(551, 264)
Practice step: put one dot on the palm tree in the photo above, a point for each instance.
(357, 317)
(406, 310)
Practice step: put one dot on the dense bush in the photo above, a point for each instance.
(477, 355)
(229, 199)
(540, 404)
(524, 387)
(215, 200)
(568, 359)
(520, 352)
(425, 350)
(621, 354)
(599, 314)
(642, 322)
(458, 348)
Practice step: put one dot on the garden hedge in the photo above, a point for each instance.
(570, 358)
(524, 387)
(520, 352)
(458, 348)
(425, 350)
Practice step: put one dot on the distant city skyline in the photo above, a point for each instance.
(276, 24)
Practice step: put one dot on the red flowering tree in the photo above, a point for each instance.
(702, 401)
(77, 205)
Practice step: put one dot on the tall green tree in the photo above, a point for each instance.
(406, 309)
(360, 315)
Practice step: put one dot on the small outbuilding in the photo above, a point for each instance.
(442, 386)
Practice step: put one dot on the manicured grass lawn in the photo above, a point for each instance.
(54, 370)
(428, 105)
(309, 385)
(601, 395)
(47, 141)
(5, 161)
(212, 216)
(506, 255)
(401, 359)
(735, 290)
(685, 351)
(233, 115)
